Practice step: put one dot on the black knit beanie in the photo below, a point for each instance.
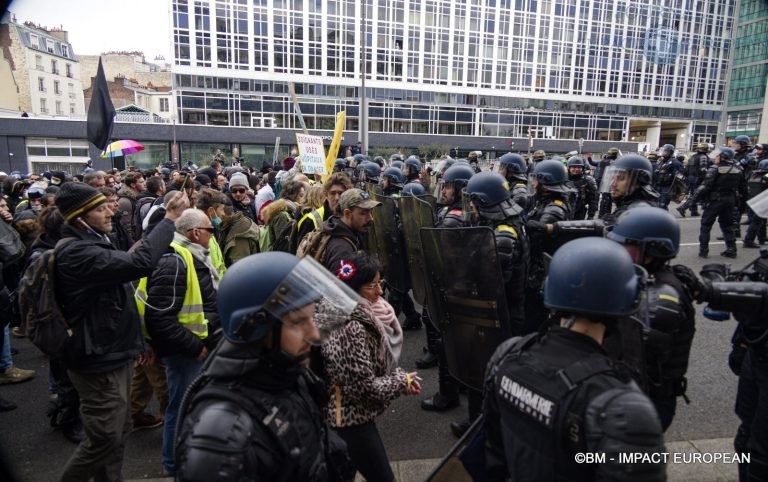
(75, 199)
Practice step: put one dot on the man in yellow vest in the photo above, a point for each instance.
(333, 187)
(178, 305)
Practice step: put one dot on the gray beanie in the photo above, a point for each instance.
(238, 179)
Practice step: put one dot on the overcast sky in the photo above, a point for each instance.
(97, 26)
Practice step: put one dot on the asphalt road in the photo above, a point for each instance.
(37, 453)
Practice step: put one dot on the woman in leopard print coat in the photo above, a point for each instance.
(360, 365)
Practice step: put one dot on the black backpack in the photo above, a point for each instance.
(287, 239)
(40, 312)
(140, 210)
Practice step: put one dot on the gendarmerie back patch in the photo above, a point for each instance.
(527, 401)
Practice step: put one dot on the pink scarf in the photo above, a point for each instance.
(385, 316)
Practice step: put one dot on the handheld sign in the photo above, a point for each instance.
(312, 154)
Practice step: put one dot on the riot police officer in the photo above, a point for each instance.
(491, 205)
(254, 414)
(392, 181)
(451, 215)
(368, 174)
(339, 165)
(695, 170)
(741, 148)
(586, 189)
(723, 189)
(664, 179)
(513, 168)
(552, 190)
(412, 169)
(605, 203)
(757, 183)
(551, 396)
(536, 157)
(651, 236)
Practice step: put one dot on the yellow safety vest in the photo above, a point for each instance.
(191, 315)
(316, 216)
(217, 257)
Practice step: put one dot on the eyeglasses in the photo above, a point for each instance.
(238, 190)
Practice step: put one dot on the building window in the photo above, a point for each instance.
(69, 70)
(39, 62)
(56, 89)
(49, 45)
(64, 50)
(54, 67)
(34, 40)
(43, 106)
(58, 108)
(164, 105)
(72, 109)
(41, 84)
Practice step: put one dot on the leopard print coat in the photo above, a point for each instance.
(362, 379)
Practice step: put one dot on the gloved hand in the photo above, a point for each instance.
(699, 288)
(536, 226)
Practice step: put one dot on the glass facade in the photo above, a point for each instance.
(454, 67)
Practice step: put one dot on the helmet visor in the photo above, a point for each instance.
(310, 283)
(619, 182)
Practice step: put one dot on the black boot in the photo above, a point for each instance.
(459, 428)
(429, 360)
(439, 403)
(681, 210)
(730, 252)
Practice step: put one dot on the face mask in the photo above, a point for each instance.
(216, 222)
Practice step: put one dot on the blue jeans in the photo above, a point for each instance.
(180, 372)
(6, 361)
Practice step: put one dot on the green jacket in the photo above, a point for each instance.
(238, 238)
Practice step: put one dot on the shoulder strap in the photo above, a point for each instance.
(586, 368)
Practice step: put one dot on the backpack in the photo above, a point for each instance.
(140, 211)
(285, 240)
(11, 246)
(315, 243)
(40, 312)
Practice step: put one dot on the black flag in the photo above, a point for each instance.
(101, 112)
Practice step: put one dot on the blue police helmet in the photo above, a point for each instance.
(372, 171)
(763, 165)
(514, 163)
(577, 161)
(487, 189)
(654, 230)
(413, 162)
(399, 164)
(458, 174)
(414, 189)
(727, 153)
(550, 172)
(247, 288)
(394, 175)
(592, 276)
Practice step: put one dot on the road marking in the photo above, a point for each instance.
(696, 244)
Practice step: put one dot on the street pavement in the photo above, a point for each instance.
(415, 439)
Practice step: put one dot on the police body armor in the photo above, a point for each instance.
(416, 213)
(389, 244)
(256, 435)
(724, 180)
(665, 175)
(698, 165)
(465, 297)
(672, 326)
(757, 182)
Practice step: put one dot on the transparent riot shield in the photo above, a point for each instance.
(389, 244)
(465, 296)
(415, 213)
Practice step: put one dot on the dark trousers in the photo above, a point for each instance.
(664, 195)
(367, 452)
(448, 386)
(401, 301)
(104, 407)
(148, 379)
(722, 211)
(756, 228)
(752, 410)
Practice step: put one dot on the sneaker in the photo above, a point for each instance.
(703, 254)
(15, 375)
(18, 332)
(429, 360)
(145, 420)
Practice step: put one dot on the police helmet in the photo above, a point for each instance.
(577, 161)
(637, 164)
(652, 156)
(762, 165)
(259, 290)
(459, 175)
(515, 165)
(726, 153)
(742, 140)
(487, 189)
(371, 170)
(667, 150)
(702, 147)
(593, 277)
(398, 164)
(654, 230)
(612, 153)
(414, 189)
(395, 157)
(360, 158)
(339, 164)
(539, 155)
(413, 163)
(552, 175)
(379, 160)
(394, 175)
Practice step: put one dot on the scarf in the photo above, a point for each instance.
(201, 254)
(385, 317)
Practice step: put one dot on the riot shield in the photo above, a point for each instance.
(389, 244)
(465, 296)
(415, 214)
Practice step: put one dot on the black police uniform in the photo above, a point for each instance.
(664, 178)
(520, 194)
(550, 208)
(695, 172)
(253, 418)
(586, 196)
(549, 397)
(668, 342)
(723, 189)
(606, 203)
(756, 184)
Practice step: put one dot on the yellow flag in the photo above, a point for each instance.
(337, 132)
